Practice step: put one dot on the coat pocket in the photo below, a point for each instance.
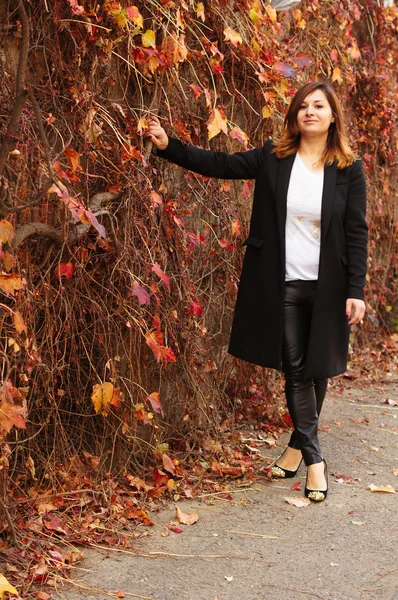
(253, 241)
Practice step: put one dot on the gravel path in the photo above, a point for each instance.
(345, 548)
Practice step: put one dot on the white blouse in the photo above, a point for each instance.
(303, 222)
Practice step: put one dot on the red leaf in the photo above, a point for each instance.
(195, 309)
(154, 339)
(196, 90)
(302, 60)
(159, 477)
(284, 69)
(296, 486)
(154, 399)
(52, 523)
(175, 529)
(65, 269)
(156, 269)
(140, 293)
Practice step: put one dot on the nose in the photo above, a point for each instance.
(310, 110)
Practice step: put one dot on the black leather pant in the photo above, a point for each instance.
(304, 396)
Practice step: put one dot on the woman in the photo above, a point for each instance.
(304, 269)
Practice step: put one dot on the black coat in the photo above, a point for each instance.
(257, 328)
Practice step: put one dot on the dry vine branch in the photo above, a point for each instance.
(21, 93)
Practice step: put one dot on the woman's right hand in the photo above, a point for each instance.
(157, 134)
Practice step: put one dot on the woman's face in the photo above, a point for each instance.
(314, 115)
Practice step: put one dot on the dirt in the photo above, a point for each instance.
(345, 548)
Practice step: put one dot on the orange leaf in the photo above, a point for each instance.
(11, 415)
(336, 76)
(186, 518)
(156, 199)
(19, 323)
(216, 123)
(134, 15)
(7, 231)
(200, 11)
(8, 260)
(11, 283)
(73, 159)
(168, 464)
(235, 228)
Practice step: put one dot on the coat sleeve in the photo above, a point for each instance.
(240, 165)
(356, 232)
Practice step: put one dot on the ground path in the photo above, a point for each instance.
(345, 548)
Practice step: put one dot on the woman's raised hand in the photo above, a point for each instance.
(157, 134)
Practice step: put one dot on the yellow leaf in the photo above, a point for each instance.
(271, 12)
(142, 125)
(6, 231)
(267, 112)
(102, 396)
(14, 344)
(233, 36)
(148, 39)
(337, 75)
(8, 260)
(11, 283)
(6, 587)
(216, 123)
(19, 323)
(120, 19)
(254, 16)
(200, 11)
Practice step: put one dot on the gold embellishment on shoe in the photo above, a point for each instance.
(316, 495)
(278, 472)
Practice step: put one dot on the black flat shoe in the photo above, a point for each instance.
(317, 495)
(280, 472)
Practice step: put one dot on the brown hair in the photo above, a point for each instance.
(337, 146)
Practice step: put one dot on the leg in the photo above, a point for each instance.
(300, 393)
(321, 386)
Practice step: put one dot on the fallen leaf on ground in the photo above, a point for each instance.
(175, 529)
(186, 518)
(395, 471)
(299, 502)
(6, 587)
(388, 489)
(229, 577)
(296, 486)
(359, 522)
(390, 402)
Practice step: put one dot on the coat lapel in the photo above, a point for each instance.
(329, 188)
